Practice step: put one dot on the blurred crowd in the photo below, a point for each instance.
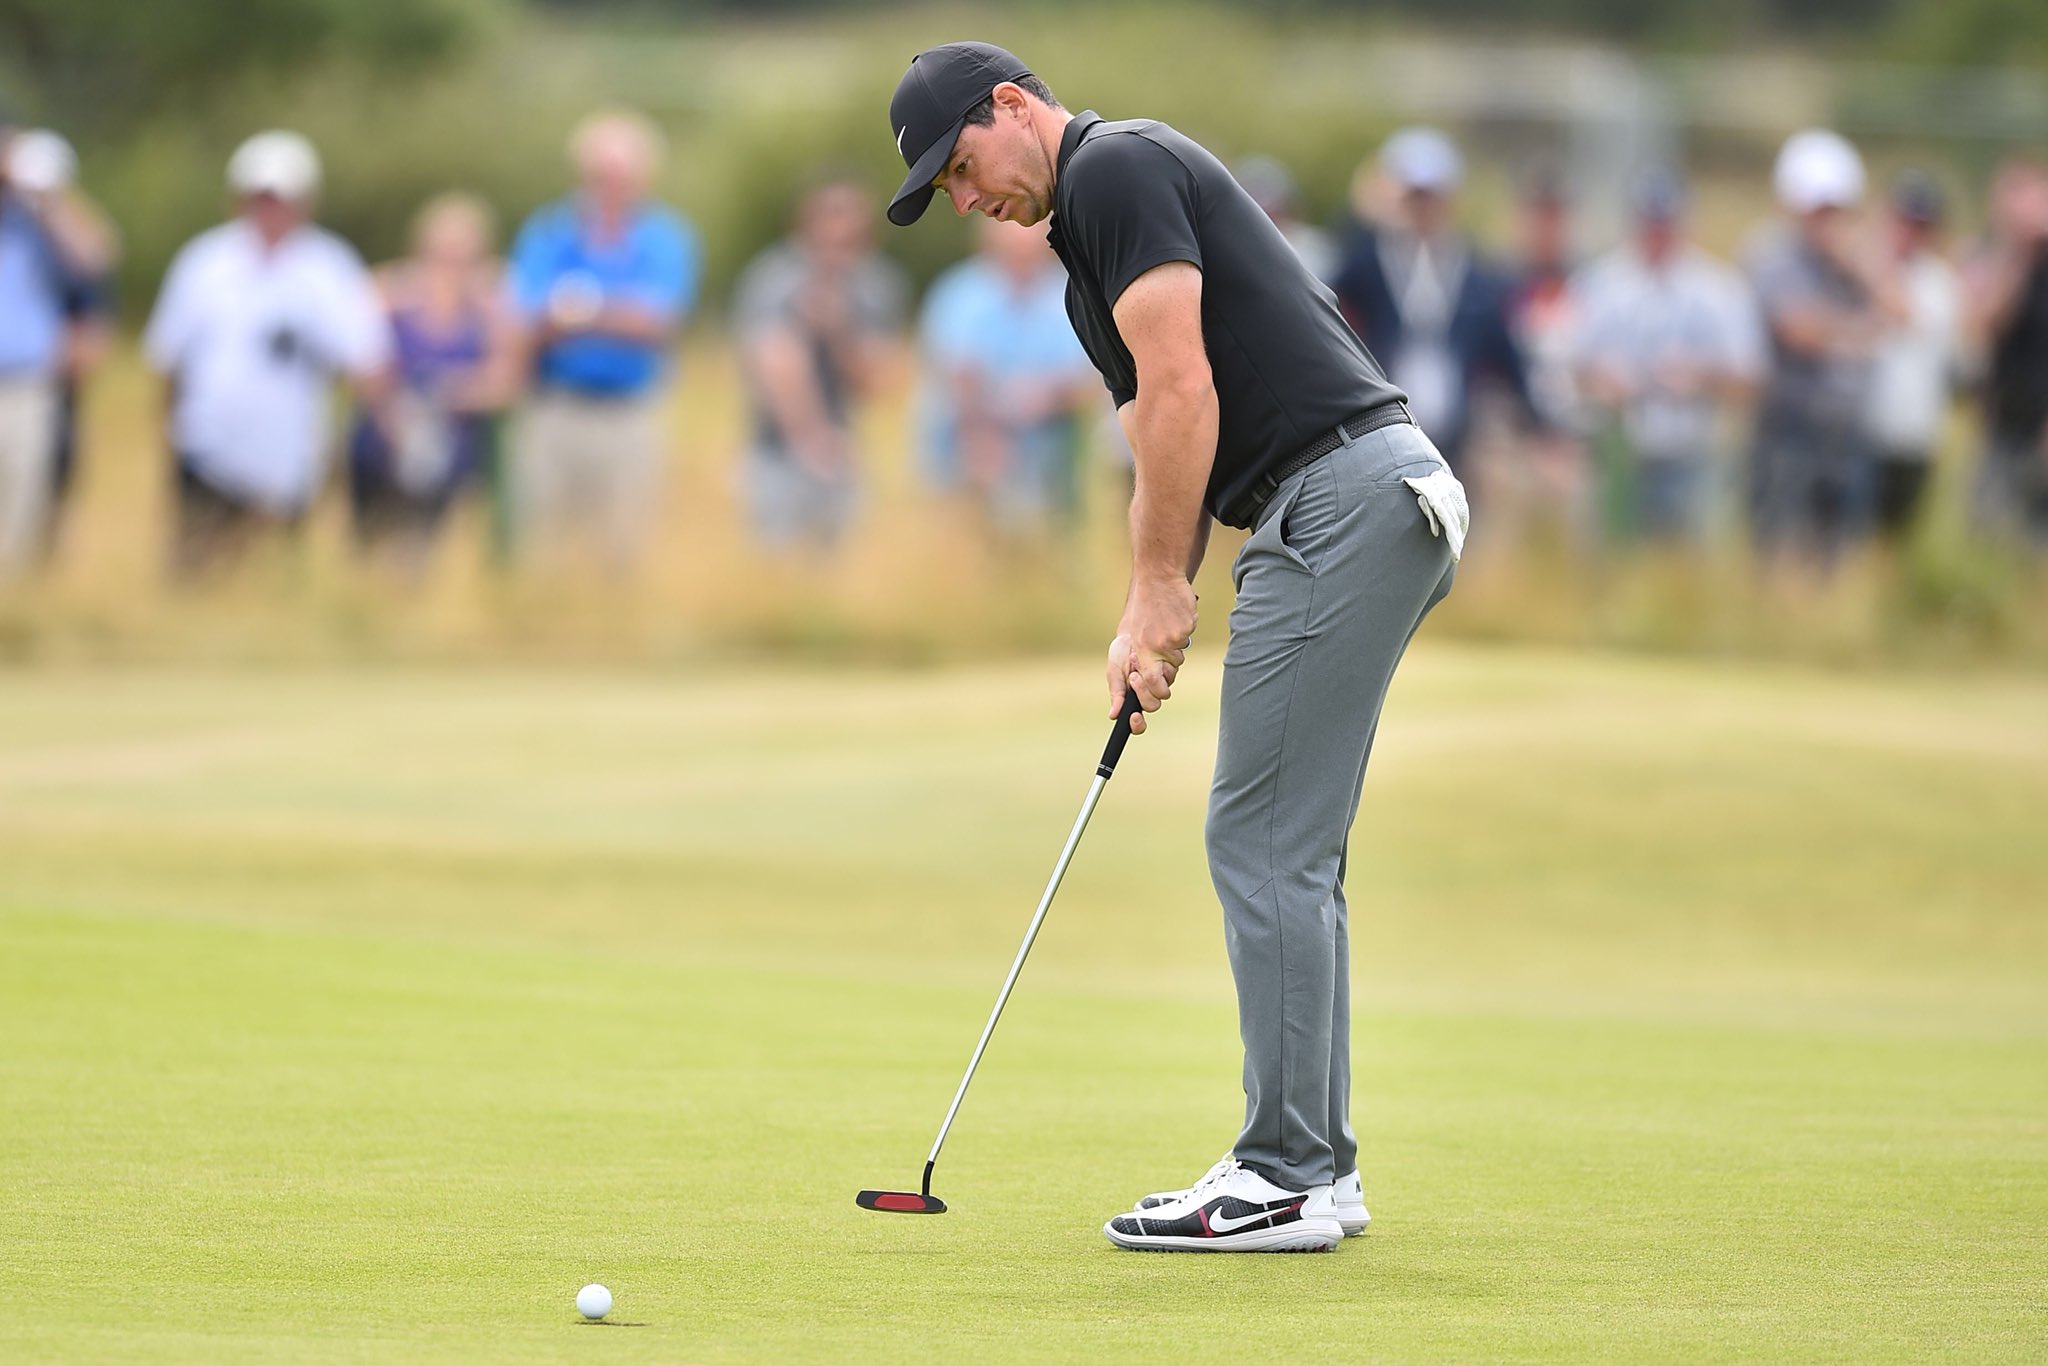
(1794, 399)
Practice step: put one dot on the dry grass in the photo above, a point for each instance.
(917, 582)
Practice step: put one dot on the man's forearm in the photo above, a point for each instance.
(1172, 431)
(83, 237)
(788, 389)
(633, 322)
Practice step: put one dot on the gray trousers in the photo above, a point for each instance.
(1332, 584)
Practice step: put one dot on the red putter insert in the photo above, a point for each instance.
(900, 1202)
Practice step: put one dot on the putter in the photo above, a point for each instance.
(923, 1201)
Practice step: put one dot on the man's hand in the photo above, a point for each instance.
(1150, 646)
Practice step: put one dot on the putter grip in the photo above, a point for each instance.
(1120, 735)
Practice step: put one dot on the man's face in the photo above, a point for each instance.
(1002, 170)
(1546, 231)
(835, 223)
(1428, 212)
(273, 215)
(1657, 236)
(615, 166)
(1827, 228)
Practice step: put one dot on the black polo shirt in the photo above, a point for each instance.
(1135, 194)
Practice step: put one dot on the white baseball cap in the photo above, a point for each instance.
(40, 161)
(277, 163)
(1817, 169)
(1423, 158)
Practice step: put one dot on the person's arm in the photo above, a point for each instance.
(652, 309)
(84, 239)
(1172, 426)
(169, 332)
(626, 321)
(1745, 349)
(856, 315)
(1498, 351)
(1993, 289)
(356, 324)
(786, 380)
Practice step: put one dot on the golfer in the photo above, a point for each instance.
(1247, 399)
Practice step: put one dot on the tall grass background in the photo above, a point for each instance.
(749, 108)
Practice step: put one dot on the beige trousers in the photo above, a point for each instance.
(586, 469)
(28, 451)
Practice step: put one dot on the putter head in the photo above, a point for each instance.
(900, 1202)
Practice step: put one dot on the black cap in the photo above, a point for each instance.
(930, 107)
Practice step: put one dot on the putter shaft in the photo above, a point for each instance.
(1059, 871)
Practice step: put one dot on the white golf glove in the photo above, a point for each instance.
(1443, 503)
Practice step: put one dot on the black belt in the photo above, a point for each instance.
(1247, 510)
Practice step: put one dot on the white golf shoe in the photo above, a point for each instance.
(1345, 1203)
(1232, 1209)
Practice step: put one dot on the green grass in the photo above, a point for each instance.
(1704, 1015)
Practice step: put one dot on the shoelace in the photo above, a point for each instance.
(1217, 1175)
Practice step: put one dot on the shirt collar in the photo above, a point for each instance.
(1077, 128)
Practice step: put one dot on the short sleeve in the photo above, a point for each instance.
(529, 267)
(1131, 206)
(359, 336)
(1776, 276)
(766, 296)
(1591, 337)
(668, 284)
(1745, 347)
(883, 297)
(172, 322)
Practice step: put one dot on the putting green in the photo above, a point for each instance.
(1703, 1014)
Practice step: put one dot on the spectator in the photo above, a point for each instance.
(1915, 360)
(256, 319)
(1007, 385)
(88, 311)
(451, 371)
(2009, 316)
(1420, 296)
(818, 317)
(1273, 189)
(52, 242)
(602, 282)
(1547, 479)
(1666, 347)
(1540, 299)
(1811, 469)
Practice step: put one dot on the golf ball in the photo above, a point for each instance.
(593, 1301)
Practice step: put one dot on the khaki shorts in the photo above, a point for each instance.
(586, 469)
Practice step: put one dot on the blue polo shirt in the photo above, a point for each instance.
(653, 263)
(32, 285)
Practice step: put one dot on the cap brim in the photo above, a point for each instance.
(916, 193)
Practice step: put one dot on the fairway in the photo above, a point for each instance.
(1702, 1014)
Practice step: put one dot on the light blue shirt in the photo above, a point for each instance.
(976, 318)
(31, 294)
(653, 264)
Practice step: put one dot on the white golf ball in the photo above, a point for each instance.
(593, 1301)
